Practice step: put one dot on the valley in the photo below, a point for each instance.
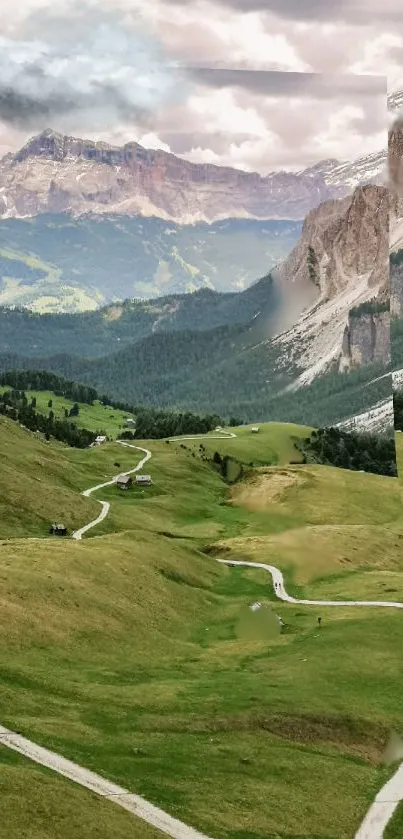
(201, 521)
(138, 656)
(57, 263)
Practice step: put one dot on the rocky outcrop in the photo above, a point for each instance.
(366, 340)
(342, 258)
(54, 173)
(395, 166)
(341, 241)
(396, 284)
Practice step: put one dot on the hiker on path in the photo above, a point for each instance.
(319, 621)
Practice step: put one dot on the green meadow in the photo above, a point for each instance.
(41, 805)
(272, 444)
(136, 654)
(394, 829)
(96, 417)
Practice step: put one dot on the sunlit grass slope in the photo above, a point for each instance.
(95, 417)
(129, 652)
(38, 804)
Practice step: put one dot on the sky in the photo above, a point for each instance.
(261, 85)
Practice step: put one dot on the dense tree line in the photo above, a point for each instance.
(96, 334)
(156, 425)
(398, 409)
(359, 451)
(42, 380)
(179, 373)
(396, 342)
(370, 307)
(150, 423)
(396, 258)
(15, 406)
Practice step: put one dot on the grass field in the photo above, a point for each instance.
(394, 829)
(41, 805)
(272, 445)
(42, 482)
(136, 654)
(96, 417)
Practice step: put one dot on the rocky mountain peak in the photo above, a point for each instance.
(340, 262)
(54, 173)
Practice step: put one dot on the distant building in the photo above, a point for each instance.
(130, 422)
(254, 429)
(100, 439)
(143, 480)
(58, 530)
(124, 482)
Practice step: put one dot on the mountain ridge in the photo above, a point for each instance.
(58, 173)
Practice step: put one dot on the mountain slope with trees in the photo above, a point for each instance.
(98, 333)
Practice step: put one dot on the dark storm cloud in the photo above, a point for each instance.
(90, 67)
(24, 111)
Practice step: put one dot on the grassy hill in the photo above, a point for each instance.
(42, 482)
(273, 444)
(54, 807)
(136, 654)
(95, 417)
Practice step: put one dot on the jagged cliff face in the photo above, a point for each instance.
(395, 162)
(54, 173)
(343, 254)
(366, 340)
(396, 287)
(340, 241)
(395, 165)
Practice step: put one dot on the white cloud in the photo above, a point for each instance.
(115, 86)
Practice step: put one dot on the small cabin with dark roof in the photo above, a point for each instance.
(57, 529)
(124, 482)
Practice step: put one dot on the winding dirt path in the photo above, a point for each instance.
(126, 799)
(78, 534)
(281, 593)
(378, 815)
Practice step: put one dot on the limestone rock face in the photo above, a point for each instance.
(366, 340)
(342, 260)
(343, 240)
(55, 173)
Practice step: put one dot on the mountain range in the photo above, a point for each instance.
(319, 324)
(84, 224)
(54, 173)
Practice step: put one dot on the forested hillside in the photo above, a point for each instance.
(219, 372)
(98, 333)
(359, 451)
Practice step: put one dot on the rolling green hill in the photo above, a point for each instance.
(54, 807)
(96, 417)
(272, 445)
(41, 482)
(54, 263)
(130, 652)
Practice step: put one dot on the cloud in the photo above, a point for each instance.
(298, 85)
(92, 69)
(122, 70)
(362, 12)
